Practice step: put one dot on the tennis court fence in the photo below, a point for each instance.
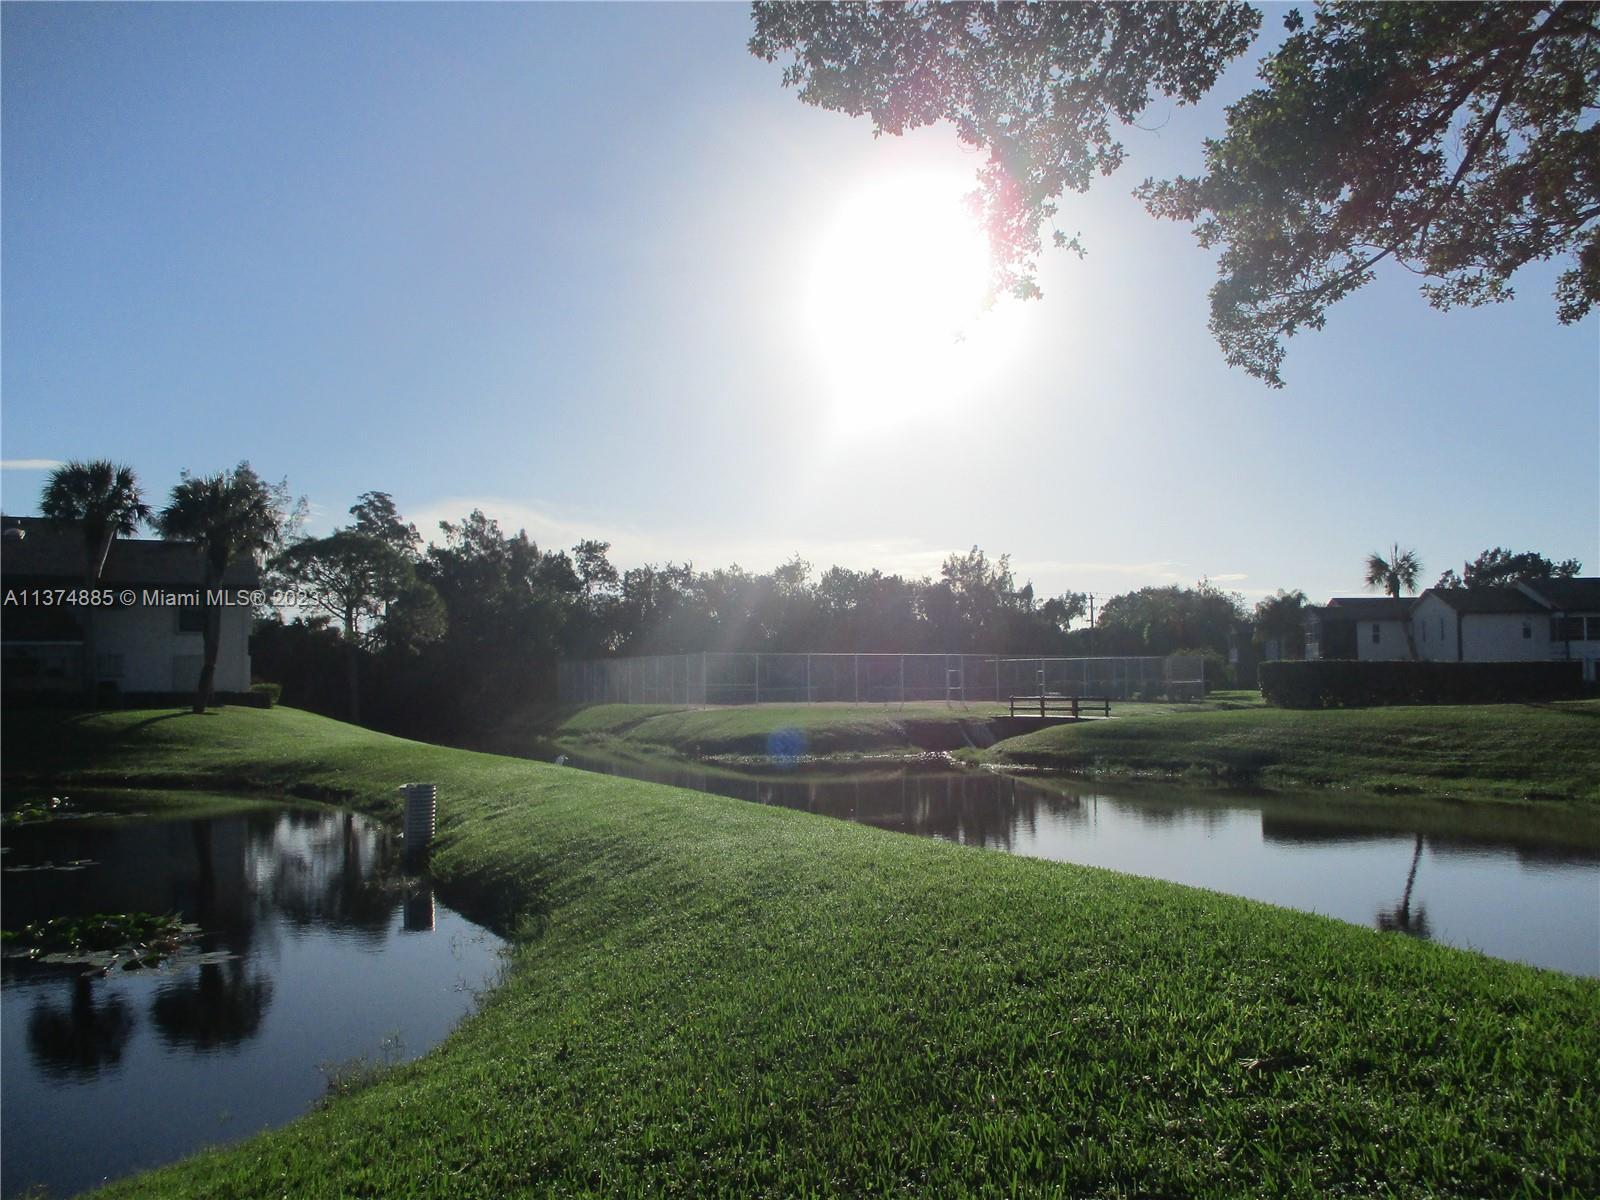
(762, 678)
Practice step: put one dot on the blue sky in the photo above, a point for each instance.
(561, 262)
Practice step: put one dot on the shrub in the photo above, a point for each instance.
(1346, 683)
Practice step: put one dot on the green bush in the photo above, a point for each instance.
(1346, 683)
(272, 692)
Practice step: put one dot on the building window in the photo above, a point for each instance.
(1441, 629)
(1424, 631)
(1575, 629)
(1377, 633)
(1527, 630)
(191, 618)
(108, 666)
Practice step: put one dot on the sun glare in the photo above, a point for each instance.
(896, 303)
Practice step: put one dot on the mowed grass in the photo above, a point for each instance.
(1516, 752)
(814, 729)
(1474, 752)
(712, 998)
(752, 729)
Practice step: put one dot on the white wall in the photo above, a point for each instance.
(1433, 623)
(155, 657)
(1498, 637)
(1391, 643)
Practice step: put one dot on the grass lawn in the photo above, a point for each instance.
(1474, 752)
(1517, 752)
(823, 729)
(713, 998)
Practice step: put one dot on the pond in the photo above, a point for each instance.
(316, 957)
(1520, 883)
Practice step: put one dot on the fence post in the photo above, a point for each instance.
(808, 679)
(857, 666)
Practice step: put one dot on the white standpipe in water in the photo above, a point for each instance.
(421, 813)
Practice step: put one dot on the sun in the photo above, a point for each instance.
(897, 303)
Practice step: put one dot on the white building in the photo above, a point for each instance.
(154, 645)
(1368, 628)
(1547, 619)
(1492, 624)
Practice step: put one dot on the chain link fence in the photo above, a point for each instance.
(759, 678)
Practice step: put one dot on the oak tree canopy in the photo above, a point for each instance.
(1458, 140)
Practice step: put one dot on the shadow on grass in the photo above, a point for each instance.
(1592, 714)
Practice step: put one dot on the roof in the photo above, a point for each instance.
(1568, 595)
(54, 550)
(1468, 601)
(1366, 608)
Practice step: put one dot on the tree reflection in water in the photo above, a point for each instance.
(85, 1038)
(1401, 918)
(330, 870)
(220, 1004)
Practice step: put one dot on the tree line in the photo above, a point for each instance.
(437, 638)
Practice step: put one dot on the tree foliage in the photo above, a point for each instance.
(1400, 571)
(364, 578)
(229, 516)
(1281, 618)
(350, 576)
(1170, 620)
(104, 498)
(1455, 139)
(1498, 568)
(1040, 87)
(1458, 140)
(377, 516)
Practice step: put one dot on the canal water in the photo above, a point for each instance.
(1520, 883)
(317, 957)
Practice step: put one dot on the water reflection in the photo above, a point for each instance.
(420, 913)
(1516, 883)
(301, 964)
(214, 1005)
(1400, 918)
(83, 1037)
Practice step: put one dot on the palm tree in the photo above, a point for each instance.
(1399, 570)
(228, 515)
(103, 497)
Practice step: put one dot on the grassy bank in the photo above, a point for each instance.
(1516, 752)
(719, 998)
(1470, 752)
(820, 730)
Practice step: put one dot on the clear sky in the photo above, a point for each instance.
(592, 269)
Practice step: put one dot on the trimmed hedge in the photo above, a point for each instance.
(1345, 683)
(112, 698)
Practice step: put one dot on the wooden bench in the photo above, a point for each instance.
(1050, 704)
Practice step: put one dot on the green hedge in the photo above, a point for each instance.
(1345, 683)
